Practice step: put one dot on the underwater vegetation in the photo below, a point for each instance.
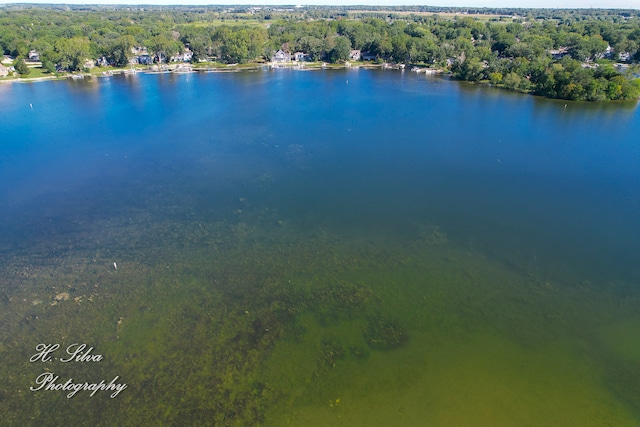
(235, 324)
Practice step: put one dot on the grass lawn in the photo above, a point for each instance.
(37, 72)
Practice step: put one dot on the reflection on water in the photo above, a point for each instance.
(286, 247)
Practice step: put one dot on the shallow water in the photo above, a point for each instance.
(319, 248)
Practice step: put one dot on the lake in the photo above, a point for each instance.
(335, 247)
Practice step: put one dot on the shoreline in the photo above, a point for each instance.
(267, 66)
(230, 68)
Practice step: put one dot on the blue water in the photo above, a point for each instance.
(547, 189)
(354, 149)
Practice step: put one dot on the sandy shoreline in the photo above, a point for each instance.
(30, 80)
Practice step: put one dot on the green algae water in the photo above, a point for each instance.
(327, 248)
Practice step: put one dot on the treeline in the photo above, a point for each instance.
(554, 53)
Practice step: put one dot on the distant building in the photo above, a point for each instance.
(4, 71)
(367, 56)
(559, 53)
(102, 62)
(144, 60)
(300, 56)
(281, 56)
(33, 55)
(185, 56)
(355, 55)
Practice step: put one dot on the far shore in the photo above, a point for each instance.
(218, 68)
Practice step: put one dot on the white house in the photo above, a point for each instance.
(33, 56)
(281, 56)
(300, 56)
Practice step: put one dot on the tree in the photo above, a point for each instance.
(49, 66)
(200, 45)
(380, 47)
(470, 69)
(121, 50)
(71, 53)
(241, 44)
(341, 50)
(502, 41)
(314, 46)
(512, 81)
(399, 51)
(18, 48)
(495, 78)
(162, 46)
(21, 67)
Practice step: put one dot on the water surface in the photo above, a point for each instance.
(353, 247)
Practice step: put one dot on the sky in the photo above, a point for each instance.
(568, 4)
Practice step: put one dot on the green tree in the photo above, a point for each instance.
(21, 67)
(162, 47)
(470, 69)
(120, 51)
(72, 53)
(512, 81)
(49, 66)
(200, 45)
(380, 47)
(241, 44)
(495, 78)
(313, 46)
(399, 46)
(341, 49)
(503, 41)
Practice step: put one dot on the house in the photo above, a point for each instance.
(559, 53)
(185, 56)
(144, 60)
(367, 56)
(300, 56)
(33, 55)
(281, 56)
(102, 62)
(355, 55)
(4, 71)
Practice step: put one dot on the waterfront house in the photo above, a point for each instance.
(368, 56)
(33, 56)
(281, 56)
(4, 71)
(185, 56)
(355, 55)
(102, 62)
(300, 56)
(144, 60)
